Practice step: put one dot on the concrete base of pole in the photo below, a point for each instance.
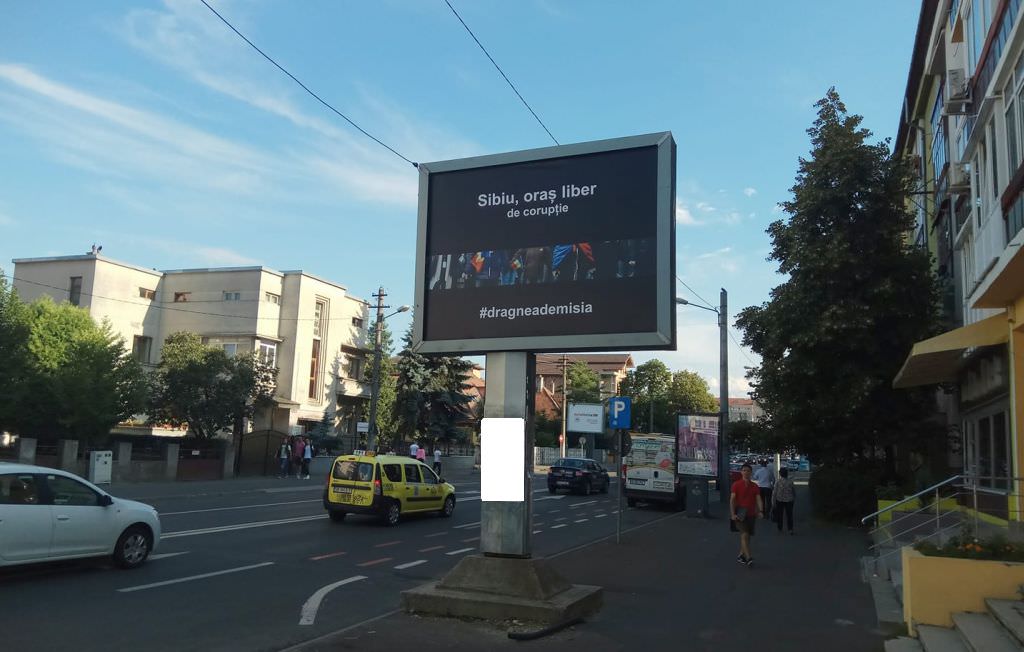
(498, 588)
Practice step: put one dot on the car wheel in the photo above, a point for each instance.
(393, 514)
(133, 547)
(337, 516)
(586, 487)
(552, 490)
(449, 507)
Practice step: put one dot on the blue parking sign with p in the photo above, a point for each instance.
(618, 412)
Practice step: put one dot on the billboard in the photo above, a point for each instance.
(585, 417)
(568, 248)
(697, 445)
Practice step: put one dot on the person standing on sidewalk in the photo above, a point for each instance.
(783, 496)
(744, 506)
(421, 454)
(437, 460)
(307, 457)
(284, 455)
(414, 448)
(298, 449)
(765, 479)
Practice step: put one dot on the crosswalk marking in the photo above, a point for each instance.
(410, 564)
(459, 551)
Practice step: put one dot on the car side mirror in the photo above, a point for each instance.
(106, 501)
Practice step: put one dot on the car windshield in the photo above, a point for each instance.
(350, 470)
(572, 463)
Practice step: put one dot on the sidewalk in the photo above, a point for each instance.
(676, 585)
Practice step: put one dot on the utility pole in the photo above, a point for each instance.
(723, 398)
(565, 406)
(371, 436)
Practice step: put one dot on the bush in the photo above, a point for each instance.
(965, 546)
(890, 492)
(844, 494)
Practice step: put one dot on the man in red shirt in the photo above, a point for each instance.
(744, 506)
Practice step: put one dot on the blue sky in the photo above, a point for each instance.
(150, 128)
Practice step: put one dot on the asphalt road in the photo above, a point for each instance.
(259, 566)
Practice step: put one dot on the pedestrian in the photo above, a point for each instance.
(284, 455)
(421, 453)
(765, 479)
(307, 457)
(784, 495)
(298, 450)
(744, 506)
(414, 448)
(437, 460)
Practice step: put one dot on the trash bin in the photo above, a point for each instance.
(697, 497)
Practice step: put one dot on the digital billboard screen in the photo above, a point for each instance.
(563, 248)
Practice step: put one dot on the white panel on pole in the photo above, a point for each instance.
(585, 417)
(502, 459)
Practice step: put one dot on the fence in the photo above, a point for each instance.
(547, 456)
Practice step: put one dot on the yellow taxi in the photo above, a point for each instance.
(385, 485)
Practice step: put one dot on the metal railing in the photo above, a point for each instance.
(963, 490)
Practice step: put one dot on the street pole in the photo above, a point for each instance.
(565, 406)
(371, 435)
(723, 421)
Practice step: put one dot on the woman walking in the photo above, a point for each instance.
(783, 496)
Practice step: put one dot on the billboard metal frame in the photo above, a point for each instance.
(664, 337)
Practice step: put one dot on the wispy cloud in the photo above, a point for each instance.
(6, 220)
(684, 216)
(705, 207)
(221, 256)
(749, 192)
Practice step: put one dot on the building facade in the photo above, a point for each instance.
(611, 369)
(744, 409)
(962, 125)
(311, 329)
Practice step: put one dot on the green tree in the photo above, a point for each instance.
(79, 381)
(856, 298)
(387, 391)
(202, 387)
(584, 383)
(648, 385)
(689, 394)
(447, 402)
(546, 430)
(752, 436)
(410, 389)
(14, 368)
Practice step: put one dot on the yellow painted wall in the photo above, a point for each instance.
(934, 588)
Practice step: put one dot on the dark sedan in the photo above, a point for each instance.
(577, 475)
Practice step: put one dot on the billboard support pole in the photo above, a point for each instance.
(723, 399)
(622, 485)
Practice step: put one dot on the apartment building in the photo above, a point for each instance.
(311, 329)
(611, 369)
(962, 125)
(744, 409)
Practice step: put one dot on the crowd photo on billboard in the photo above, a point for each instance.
(697, 441)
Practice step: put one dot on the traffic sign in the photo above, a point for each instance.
(618, 412)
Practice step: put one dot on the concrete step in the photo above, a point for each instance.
(903, 644)
(983, 634)
(1010, 614)
(869, 568)
(940, 639)
(896, 577)
(888, 608)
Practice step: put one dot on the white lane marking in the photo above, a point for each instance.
(436, 534)
(312, 605)
(555, 527)
(537, 531)
(222, 509)
(560, 497)
(581, 520)
(459, 551)
(561, 518)
(194, 577)
(589, 502)
(166, 555)
(600, 516)
(537, 524)
(462, 527)
(468, 499)
(410, 564)
(240, 526)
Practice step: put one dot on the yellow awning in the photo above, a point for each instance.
(937, 359)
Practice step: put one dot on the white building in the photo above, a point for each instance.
(311, 329)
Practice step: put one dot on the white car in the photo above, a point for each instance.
(49, 515)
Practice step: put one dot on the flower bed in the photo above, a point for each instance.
(995, 548)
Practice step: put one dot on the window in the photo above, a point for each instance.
(142, 348)
(354, 367)
(230, 348)
(318, 318)
(182, 297)
(429, 477)
(75, 291)
(412, 473)
(350, 470)
(146, 293)
(232, 296)
(268, 353)
(987, 445)
(65, 491)
(18, 489)
(393, 472)
(270, 297)
(314, 370)
(357, 322)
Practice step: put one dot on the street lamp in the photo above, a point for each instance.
(371, 435)
(723, 390)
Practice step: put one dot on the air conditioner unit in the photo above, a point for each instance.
(956, 85)
(959, 178)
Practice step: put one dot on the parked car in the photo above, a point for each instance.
(386, 486)
(49, 515)
(577, 475)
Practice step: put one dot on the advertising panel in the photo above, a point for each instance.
(697, 442)
(567, 248)
(585, 417)
(649, 464)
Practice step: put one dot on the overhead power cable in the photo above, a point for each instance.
(511, 85)
(694, 292)
(306, 88)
